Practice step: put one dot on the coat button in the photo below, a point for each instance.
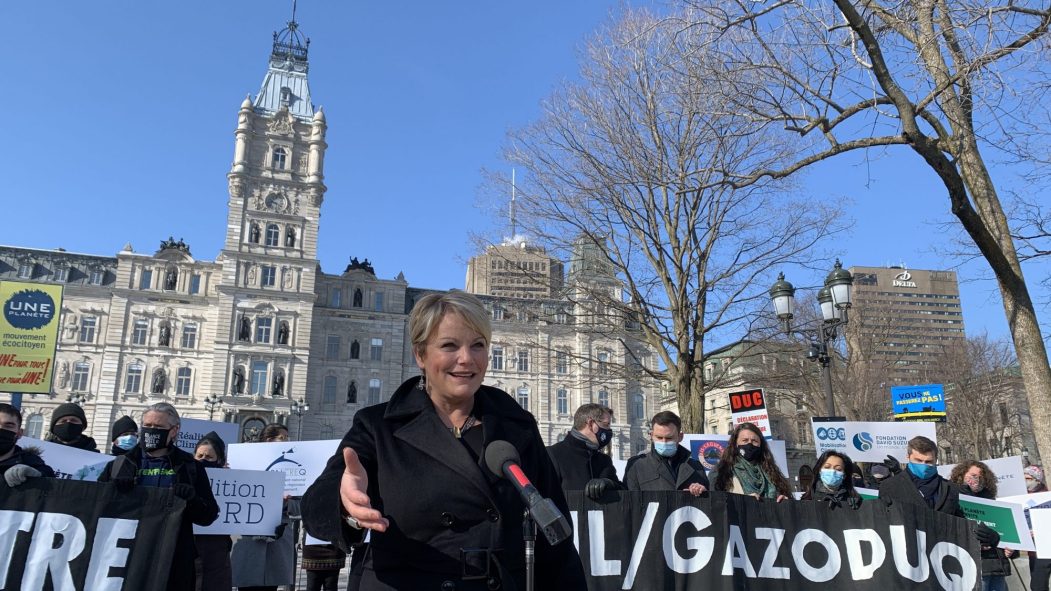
(447, 520)
(448, 586)
(493, 515)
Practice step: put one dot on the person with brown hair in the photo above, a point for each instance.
(976, 479)
(747, 467)
(668, 465)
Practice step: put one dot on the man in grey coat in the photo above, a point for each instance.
(668, 465)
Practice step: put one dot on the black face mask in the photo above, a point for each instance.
(750, 451)
(604, 436)
(7, 440)
(67, 431)
(153, 438)
(209, 464)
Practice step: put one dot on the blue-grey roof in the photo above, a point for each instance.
(290, 74)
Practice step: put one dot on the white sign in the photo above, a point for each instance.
(301, 461)
(1041, 519)
(777, 447)
(868, 442)
(192, 430)
(68, 462)
(1009, 478)
(1014, 532)
(249, 502)
(749, 406)
(1040, 499)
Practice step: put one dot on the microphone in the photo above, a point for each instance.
(502, 460)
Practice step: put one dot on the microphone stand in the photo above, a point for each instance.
(529, 537)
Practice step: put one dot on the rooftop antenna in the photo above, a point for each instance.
(514, 225)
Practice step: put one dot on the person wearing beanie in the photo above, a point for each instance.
(213, 551)
(67, 427)
(1034, 479)
(123, 436)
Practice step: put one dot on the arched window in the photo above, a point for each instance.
(562, 401)
(355, 349)
(182, 381)
(603, 398)
(133, 379)
(273, 235)
(280, 159)
(638, 406)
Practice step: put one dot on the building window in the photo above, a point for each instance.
(25, 270)
(133, 379)
(139, 332)
(262, 329)
(603, 398)
(1003, 413)
(638, 406)
(332, 343)
(562, 401)
(189, 335)
(62, 274)
(195, 284)
(146, 279)
(280, 158)
(81, 374)
(561, 362)
(335, 297)
(523, 397)
(376, 350)
(259, 371)
(96, 276)
(328, 391)
(803, 431)
(603, 363)
(35, 426)
(498, 358)
(87, 328)
(182, 381)
(523, 360)
(498, 313)
(273, 235)
(378, 301)
(374, 391)
(268, 278)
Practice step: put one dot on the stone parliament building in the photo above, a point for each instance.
(265, 330)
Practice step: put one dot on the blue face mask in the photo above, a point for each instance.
(665, 448)
(127, 442)
(922, 471)
(832, 478)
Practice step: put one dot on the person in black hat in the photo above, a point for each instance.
(67, 427)
(123, 436)
(213, 551)
(18, 464)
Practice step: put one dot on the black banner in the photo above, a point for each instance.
(670, 540)
(86, 536)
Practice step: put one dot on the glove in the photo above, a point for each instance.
(892, 464)
(986, 535)
(854, 502)
(124, 485)
(184, 491)
(279, 530)
(596, 487)
(19, 473)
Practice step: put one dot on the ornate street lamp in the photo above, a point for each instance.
(78, 399)
(299, 408)
(211, 403)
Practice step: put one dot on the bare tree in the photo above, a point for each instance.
(950, 80)
(630, 165)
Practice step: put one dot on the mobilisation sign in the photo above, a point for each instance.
(867, 441)
(749, 406)
(925, 402)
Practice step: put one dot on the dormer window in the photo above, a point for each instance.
(286, 96)
(280, 158)
(25, 270)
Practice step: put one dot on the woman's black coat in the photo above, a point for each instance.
(440, 500)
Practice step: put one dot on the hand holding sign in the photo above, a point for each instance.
(352, 489)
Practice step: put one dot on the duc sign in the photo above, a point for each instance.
(918, 403)
(749, 406)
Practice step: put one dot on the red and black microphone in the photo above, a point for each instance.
(502, 460)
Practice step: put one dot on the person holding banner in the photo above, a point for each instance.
(668, 465)
(412, 470)
(748, 468)
(213, 551)
(833, 484)
(17, 464)
(67, 427)
(976, 479)
(579, 460)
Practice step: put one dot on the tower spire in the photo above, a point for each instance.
(512, 212)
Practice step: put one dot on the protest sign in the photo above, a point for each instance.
(918, 403)
(85, 535)
(1008, 519)
(1009, 478)
(301, 461)
(749, 406)
(249, 502)
(868, 441)
(707, 448)
(68, 463)
(192, 430)
(29, 320)
(1041, 519)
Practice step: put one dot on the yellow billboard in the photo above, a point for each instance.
(28, 334)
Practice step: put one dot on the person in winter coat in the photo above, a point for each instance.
(412, 470)
(579, 460)
(668, 465)
(156, 462)
(67, 427)
(1039, 568)
(17, 464)
(213, 551)
(833, 484)
(976, 479)
(123, 436)
(748, 468)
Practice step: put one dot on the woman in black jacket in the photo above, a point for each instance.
(976, 479)
(834, 483)
(412, 470)
(747, 467)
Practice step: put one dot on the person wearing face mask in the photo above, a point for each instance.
(668, 465)
(579, 460)
(123, 435)
(833, 484)
(976, 479)
(67, 427)
(213, 551)
(748, 468)
(156, 462)
(18, 464)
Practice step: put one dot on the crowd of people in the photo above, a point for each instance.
(414, 471)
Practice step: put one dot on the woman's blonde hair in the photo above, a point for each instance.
(431, 308)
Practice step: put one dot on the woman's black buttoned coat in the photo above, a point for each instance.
(447, 513)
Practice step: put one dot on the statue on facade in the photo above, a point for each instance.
(279, 384)
(357, 298)
(63, 375)
(171, 278)
(254, 233)
(290, 237)
(239, 380)
(245, 332)
(282, 334)
(173, 244)
(166, 335)
(352, 392)
(157, 387)
(355, 349)
(362, 265)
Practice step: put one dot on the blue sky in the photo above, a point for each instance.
(120, 119)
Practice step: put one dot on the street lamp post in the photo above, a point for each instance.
(211, 403)
(834, 299)
(77, 398)
(299, 408)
